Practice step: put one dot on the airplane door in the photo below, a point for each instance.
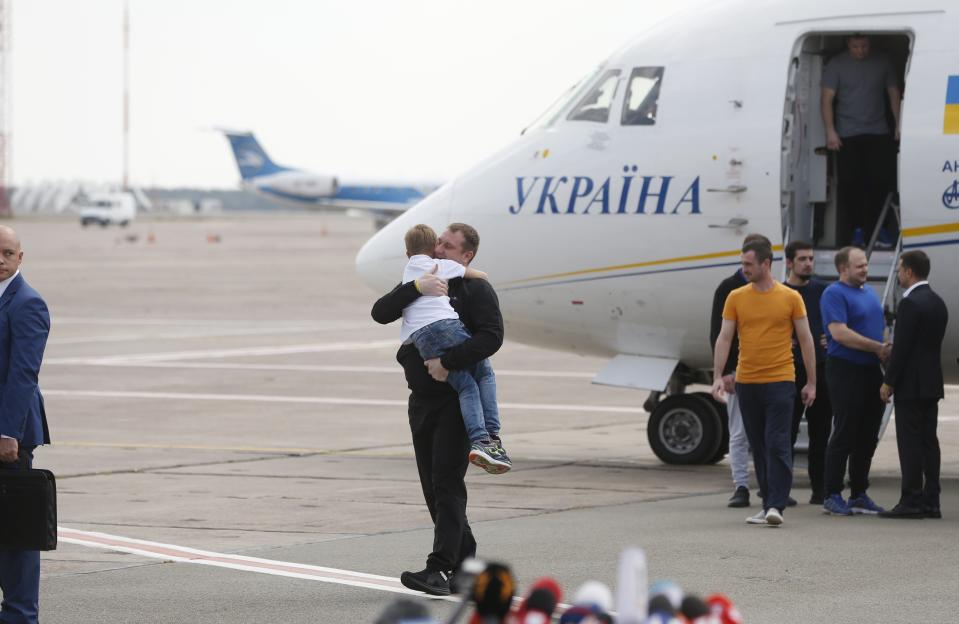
(735, 144)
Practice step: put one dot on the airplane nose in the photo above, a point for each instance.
(380, 261)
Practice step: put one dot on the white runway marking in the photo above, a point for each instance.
(310, 368)
(225, 353)
(215, 323)
(181, 554)
(270, 398)
(171, 552)
(200, 332)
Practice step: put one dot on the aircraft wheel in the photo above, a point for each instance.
(684, 429)
(720, 408)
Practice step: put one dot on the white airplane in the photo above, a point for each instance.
(261, 175)
(608, 224)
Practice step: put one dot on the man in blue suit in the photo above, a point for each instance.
(24, 327)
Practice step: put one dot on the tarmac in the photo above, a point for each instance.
(231, 445)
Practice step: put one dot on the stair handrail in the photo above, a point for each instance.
(889, 290)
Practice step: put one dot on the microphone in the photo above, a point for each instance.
(669, 590)
(578, 614)
(661, 611)
(594, 594)
(493, 594)
(693, 607)
(540, 602)
(464, 581)
(631, 581)
(723, 609)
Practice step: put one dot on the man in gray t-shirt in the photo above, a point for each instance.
(858, 83)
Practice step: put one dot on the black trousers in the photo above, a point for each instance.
(919, 457)
(442, 457)
(867, 165)
(857, 415)
(818, 424)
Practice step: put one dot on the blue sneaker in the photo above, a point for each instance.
(836, 506)
(885, 240)
(857, 238)
(862, 504)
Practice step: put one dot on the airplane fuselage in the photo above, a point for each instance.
(608, 237)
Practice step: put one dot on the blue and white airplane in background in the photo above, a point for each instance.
(261, 175)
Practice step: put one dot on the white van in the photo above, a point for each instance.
(108, 208)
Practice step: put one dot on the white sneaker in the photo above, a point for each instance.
(759, 518)
(773, 517)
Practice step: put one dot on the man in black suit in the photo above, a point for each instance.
(914, 378)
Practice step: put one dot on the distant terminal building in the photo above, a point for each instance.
(66, 197)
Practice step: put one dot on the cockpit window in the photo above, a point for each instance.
(563, 102)
(595, 106)
(642, 95)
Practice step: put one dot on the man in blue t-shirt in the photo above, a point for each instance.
(854, 323)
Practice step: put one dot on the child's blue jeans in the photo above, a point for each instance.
(476, 385)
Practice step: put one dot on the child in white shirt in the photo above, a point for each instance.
(433, 326)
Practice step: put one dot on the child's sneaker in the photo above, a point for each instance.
(486, 455)
(501, 452)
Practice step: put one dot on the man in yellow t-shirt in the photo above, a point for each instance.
(764, 314)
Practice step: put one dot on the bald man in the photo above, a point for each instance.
(24, 327)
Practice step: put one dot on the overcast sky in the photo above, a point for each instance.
(413, 90)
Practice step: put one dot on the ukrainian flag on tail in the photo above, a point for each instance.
(950, 124)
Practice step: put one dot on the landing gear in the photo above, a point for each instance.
(688, 429)
(723, 421)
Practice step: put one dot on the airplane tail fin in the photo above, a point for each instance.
(251, 159)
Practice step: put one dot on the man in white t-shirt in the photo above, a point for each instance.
(433, 327)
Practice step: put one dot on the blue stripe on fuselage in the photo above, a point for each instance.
(381, 194)
(390, 194)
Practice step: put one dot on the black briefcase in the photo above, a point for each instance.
(28, 508)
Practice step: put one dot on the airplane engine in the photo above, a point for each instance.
(295, 184)
(325, 186)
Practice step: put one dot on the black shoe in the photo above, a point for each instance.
(817, 498)
(901, 511)
(740, 498)
(433, 582)
(933, 512)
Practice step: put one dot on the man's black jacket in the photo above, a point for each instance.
(476, 304)
(915, 366)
